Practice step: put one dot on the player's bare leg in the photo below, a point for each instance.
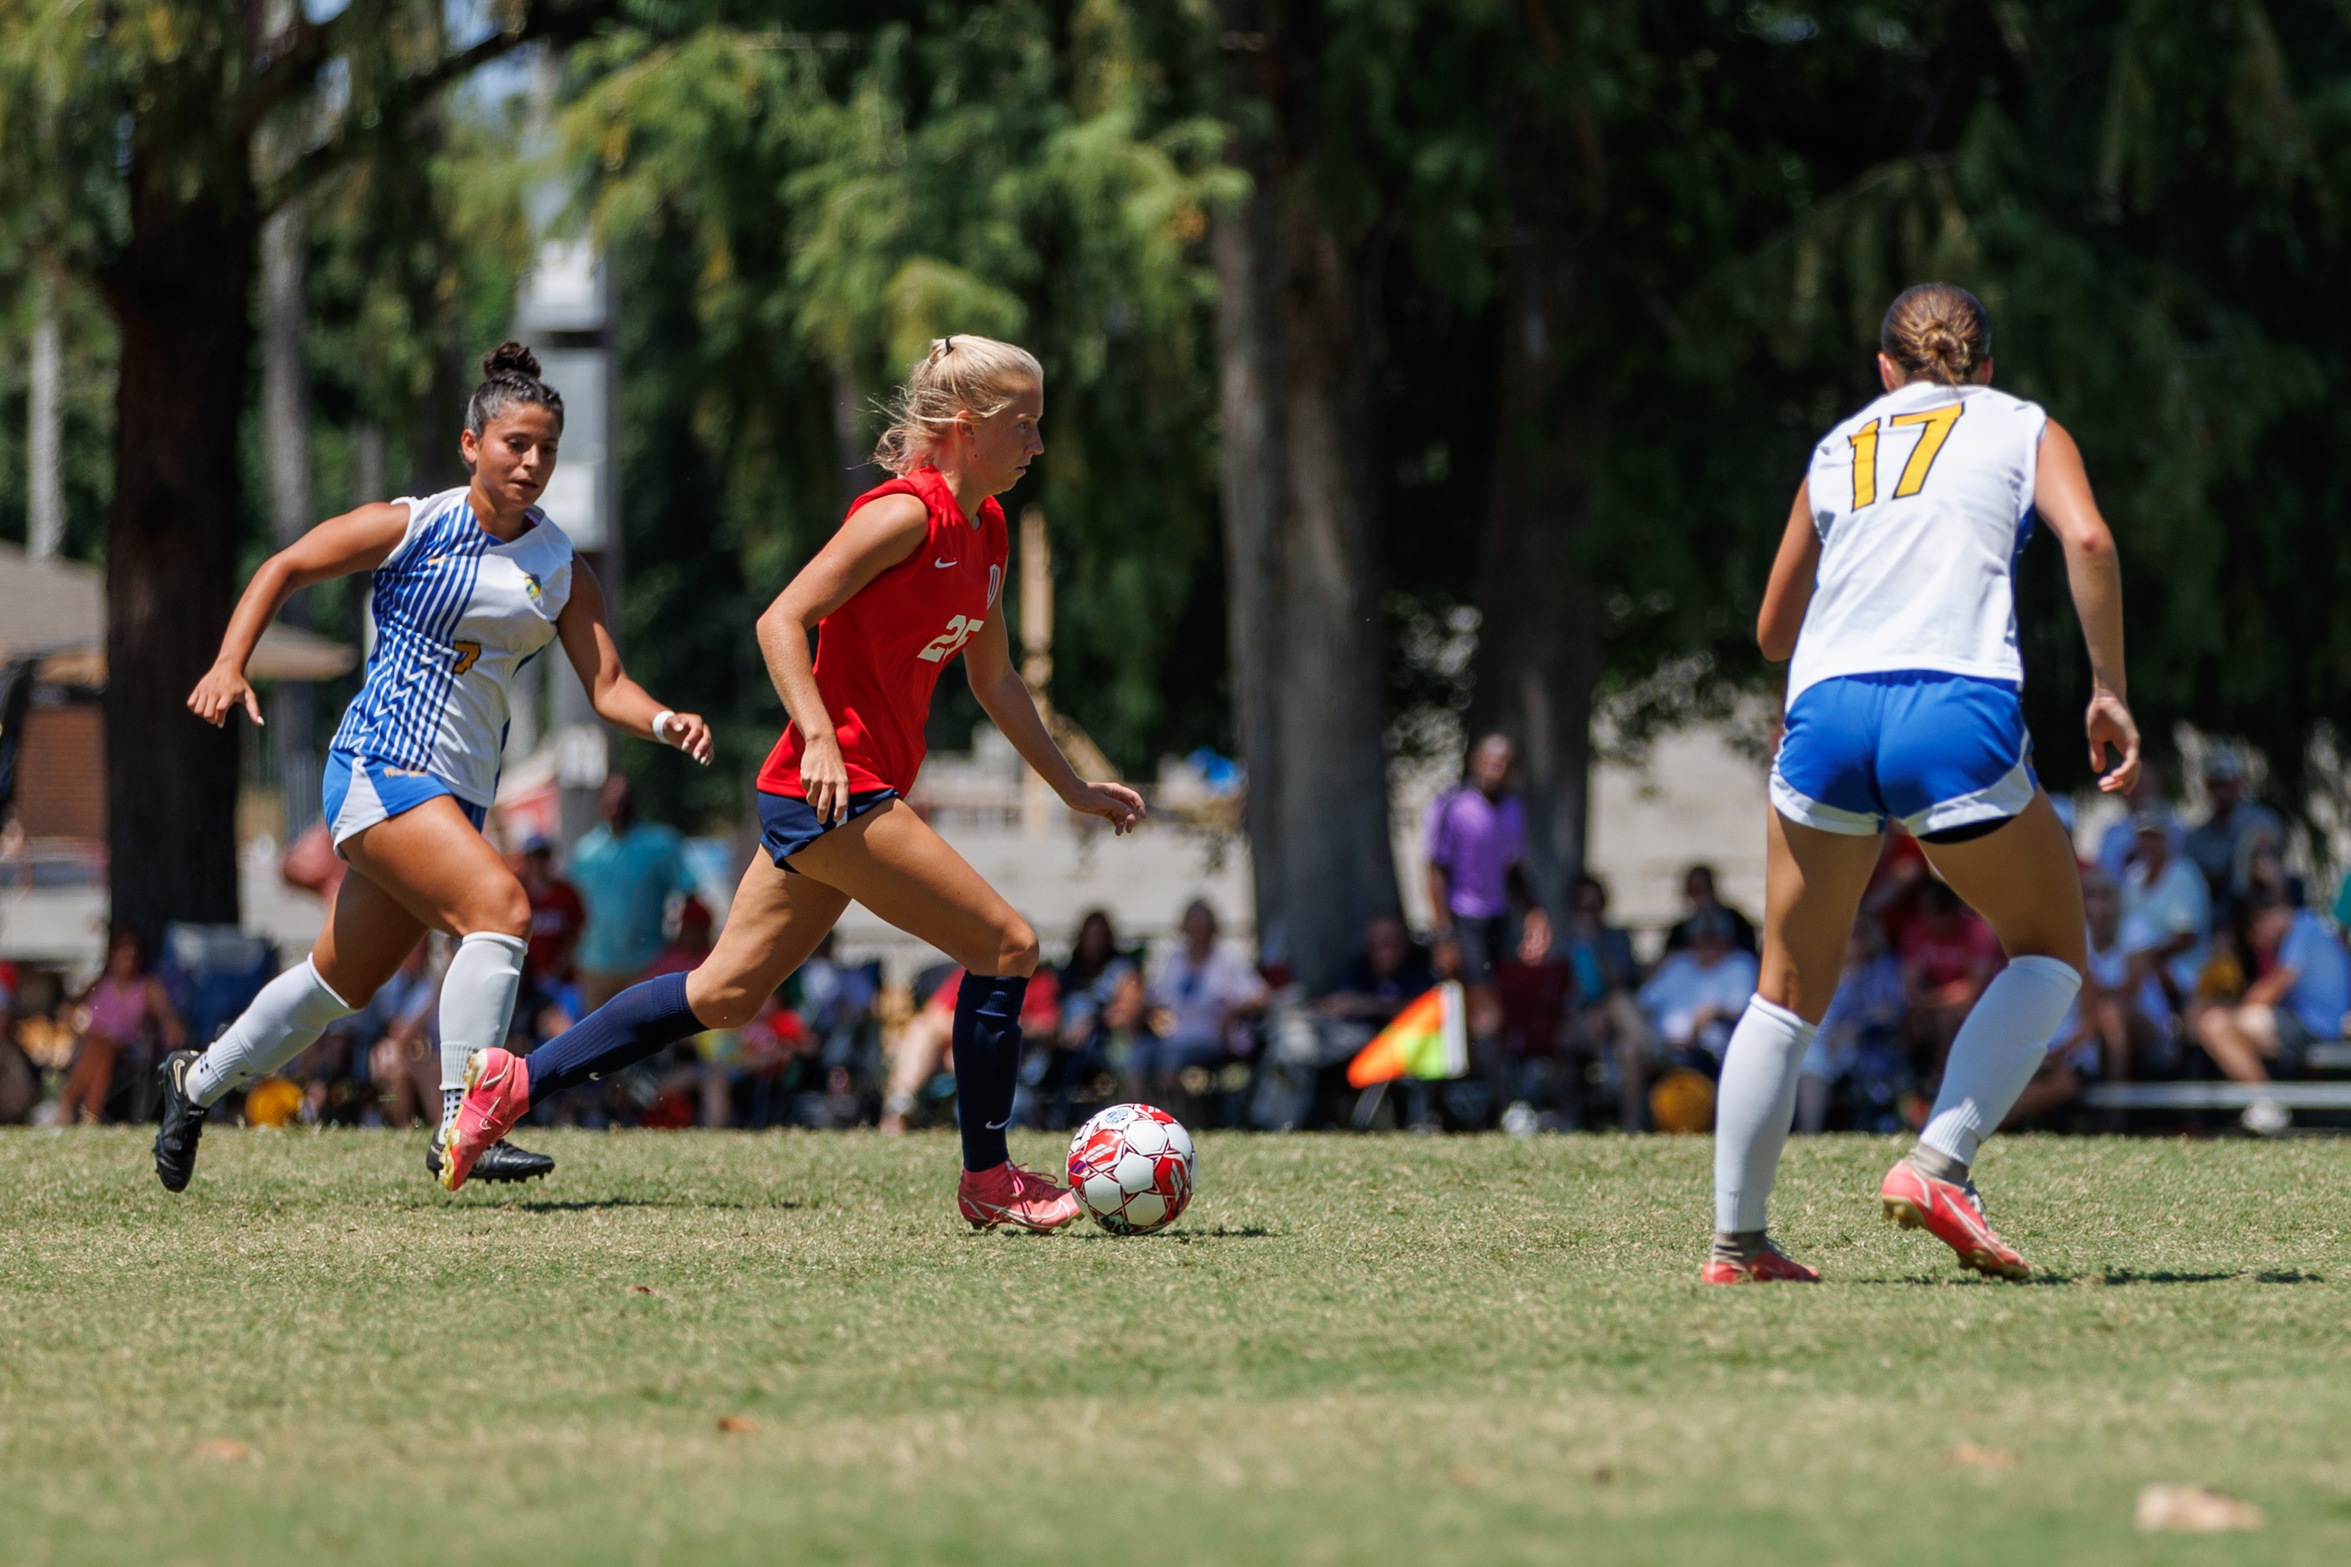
(892, 862)
(2021, 877)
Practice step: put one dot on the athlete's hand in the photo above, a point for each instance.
(2110, 724)
(221, 692)
(691, 735)
(824, 778)
(1114, 803)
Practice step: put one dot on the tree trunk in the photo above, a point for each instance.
(181, 297)
(285, 452)
(1337, 867)
(1248, 351)
(1538, 629)
(45, 430)
(1303, 584)
(1538, 658)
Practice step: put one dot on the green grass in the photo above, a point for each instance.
(1352, 1349)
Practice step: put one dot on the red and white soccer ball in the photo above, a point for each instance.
(1131, 1167)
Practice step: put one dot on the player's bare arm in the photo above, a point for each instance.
(359, 540)
(1789, 592)
(2061, 493)
(987, 664)
(877, 536)
(586, 632)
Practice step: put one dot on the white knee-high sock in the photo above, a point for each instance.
(477, 1002)
(1996, 1052)
(1754, 1106)
(290, 1012)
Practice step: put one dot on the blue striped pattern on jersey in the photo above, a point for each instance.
(418, 602)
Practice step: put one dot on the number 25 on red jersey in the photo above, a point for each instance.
(950, 642)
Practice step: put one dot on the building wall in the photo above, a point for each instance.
(61, 783)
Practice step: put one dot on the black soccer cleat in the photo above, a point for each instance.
(183, 1122)
(501, 1161)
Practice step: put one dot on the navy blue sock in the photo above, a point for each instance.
(638, 1022)
(987, 1063)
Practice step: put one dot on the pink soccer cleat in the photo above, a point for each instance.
(1011, 1195)
(1768, 1266)
(497, 1093)
(1952, 1215)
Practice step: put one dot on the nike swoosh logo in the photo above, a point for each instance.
(998, 1126)
(943, 565)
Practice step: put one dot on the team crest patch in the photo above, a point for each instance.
(530, 585)
(995, 584)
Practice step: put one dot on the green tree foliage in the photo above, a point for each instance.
(2150, 199)
(797, 215)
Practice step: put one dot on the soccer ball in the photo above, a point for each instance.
(1131, 1167)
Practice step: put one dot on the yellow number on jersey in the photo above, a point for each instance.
(950, 642)
(467, 653)
(1938, 422)
(1865, 465)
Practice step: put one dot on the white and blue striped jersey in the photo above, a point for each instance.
(1923, 501)
(457, 613)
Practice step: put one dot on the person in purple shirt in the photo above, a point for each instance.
(1477, 864)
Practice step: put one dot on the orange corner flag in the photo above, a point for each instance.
(1428, 1039)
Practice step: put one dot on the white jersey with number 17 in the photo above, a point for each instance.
(1923, 501)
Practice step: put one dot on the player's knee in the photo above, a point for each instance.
(502, 912)
(729, 1009)
(1016, 949)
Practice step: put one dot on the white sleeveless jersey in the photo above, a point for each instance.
(1923, 501)
(456, 613)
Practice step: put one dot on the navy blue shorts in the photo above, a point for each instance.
(788, 824)
(1935, 752)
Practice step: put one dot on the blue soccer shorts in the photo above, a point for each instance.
(359, 791)
(1933, 751)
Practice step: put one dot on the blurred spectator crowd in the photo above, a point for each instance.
(2205, 960)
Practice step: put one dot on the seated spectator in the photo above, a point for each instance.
(1383, 978)
(1535, 994)
(1101, 1005)
(557, 914)
(2166, 908)
(1865, 1017)
(1948, 956)
(1608, 1022)
(404, 1063)
(2118, 845)
(1698, 893)
(2123, 1015)
(2302, 990)
(1695, 997)
(2213, 847)
(2261, 879)
(115, 1015)
(1203, 991)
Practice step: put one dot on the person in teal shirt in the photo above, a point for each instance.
(625, 870)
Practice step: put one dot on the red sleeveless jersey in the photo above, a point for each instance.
(879, 656)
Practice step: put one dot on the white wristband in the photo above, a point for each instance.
(661, 723)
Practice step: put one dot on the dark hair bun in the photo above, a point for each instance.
(509, 358)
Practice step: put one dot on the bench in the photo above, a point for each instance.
(2215, 1096)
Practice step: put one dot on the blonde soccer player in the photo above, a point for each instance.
(913, 580)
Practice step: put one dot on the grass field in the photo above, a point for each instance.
(1352, 1349)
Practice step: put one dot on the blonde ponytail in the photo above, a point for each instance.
(959, 373)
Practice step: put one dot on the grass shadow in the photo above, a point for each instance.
(2113, 1278)
(603, 1204)
(1184, 1237)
